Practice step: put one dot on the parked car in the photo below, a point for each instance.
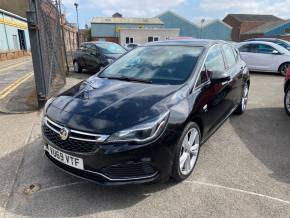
(265, 56)
(287, 92)
(131, 46)
(144, 117)
(285, 44)
(94, 55)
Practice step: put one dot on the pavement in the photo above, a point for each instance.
(243, 170)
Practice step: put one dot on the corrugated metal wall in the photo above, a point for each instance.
(215, 30)
(9, 37)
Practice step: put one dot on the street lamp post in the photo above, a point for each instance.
(201, 26)
(78, 36)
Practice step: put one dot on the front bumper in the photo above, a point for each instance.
(119, 165)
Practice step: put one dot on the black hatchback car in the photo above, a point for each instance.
(92, 56)
(144, 117)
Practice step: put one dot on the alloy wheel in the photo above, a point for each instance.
(287, 101)
(76, 67)
(245, 97)
(284, 69)
(189, 151)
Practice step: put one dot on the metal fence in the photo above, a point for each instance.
(47, 47)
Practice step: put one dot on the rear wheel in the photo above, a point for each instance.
(187, 152)
(244, 100)
(283, 69)
(287, 101)
(77, 67)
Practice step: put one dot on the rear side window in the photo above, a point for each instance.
(249, 48)
(214, 60)
(265, 49)
(229, 55)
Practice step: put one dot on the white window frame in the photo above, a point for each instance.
(130, 37)
(153, 38)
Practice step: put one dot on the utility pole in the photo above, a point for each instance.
(78, 36)
(201, 23)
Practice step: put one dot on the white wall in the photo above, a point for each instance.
(141, 35)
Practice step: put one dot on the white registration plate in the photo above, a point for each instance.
(65, 158)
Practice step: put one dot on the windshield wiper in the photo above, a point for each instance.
(129, 79)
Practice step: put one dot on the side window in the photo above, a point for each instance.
(203, 77)
(265, 49)
(252, 48)
(229, 55)
(92, 49)
(214, 61)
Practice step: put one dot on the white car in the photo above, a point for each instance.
(265, 56)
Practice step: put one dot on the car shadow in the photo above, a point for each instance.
(265, 132)
(61, 194)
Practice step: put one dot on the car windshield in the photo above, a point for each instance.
(155, 64)
(110, 48)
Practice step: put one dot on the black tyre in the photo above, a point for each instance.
(187, 151)
(287, 101)
(244, 101)
(283, 69)
(77, 67)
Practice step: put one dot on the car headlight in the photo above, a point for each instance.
(142, 133)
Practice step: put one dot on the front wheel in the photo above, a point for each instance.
(244, 100)
(187, 152)
(283, 69)
(77, 67)
(287, 101)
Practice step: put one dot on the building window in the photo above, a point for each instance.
(153, 38)
(129, 40)
(150, 38)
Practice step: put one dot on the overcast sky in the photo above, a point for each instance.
(191, 9)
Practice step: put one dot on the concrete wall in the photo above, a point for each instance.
(112, 30)
(140, 36)
(9, 37)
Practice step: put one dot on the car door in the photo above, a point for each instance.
(267, 58)
(249, 55)
(92, 58)
(212, 102)
(235, 69)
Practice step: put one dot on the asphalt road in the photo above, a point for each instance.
(17, 88)
(243, 171)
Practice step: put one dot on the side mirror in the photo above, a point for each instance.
(219, 77)
(275, 52)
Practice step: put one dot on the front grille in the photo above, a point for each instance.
(69, 144)
(77, 141)
(129, 170)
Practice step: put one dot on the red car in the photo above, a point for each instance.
(287, 92)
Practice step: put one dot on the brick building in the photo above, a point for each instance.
(243, 23)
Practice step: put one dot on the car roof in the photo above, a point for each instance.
(187, 42)
(259, 42)
(266, 39)
(98, 42)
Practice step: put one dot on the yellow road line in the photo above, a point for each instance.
(13, 65)
(14, 85)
